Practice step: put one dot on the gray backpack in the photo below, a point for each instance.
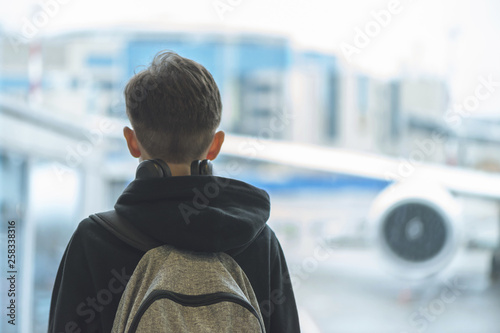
(173, 290)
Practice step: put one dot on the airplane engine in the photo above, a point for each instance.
(416, 228)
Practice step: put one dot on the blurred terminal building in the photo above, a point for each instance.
(54, 90)
(62, 108)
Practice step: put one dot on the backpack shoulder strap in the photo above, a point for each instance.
(125, 230)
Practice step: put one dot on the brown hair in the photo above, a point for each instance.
(174, 106)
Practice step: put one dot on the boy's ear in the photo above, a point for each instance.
(216, 145)
(132, 143)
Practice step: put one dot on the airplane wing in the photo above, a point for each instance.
(349, 162)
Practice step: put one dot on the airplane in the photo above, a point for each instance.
(415, 223)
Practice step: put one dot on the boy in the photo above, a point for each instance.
(174, 107)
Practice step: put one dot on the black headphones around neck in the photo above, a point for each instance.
(157, 168)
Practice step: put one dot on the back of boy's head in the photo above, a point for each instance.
(174, 106)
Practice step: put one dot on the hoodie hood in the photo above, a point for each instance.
(197, 213)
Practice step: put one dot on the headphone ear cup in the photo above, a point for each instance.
(152, 169)
(205, 168)
(164, 168)
(195, 168)
(201, 168)
(147, 169)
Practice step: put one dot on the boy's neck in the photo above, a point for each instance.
(180, 169)
(177, 169)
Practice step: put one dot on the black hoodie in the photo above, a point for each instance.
(199, 213)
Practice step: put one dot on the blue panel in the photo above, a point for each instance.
(222, 59)
(14, 82)
(141, 53)
(318, 183)
(362, 98)
(320, 59)
(99, 61)
(254, 56)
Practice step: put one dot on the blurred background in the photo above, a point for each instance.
(374, 125)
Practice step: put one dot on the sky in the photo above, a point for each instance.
(456, 40)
